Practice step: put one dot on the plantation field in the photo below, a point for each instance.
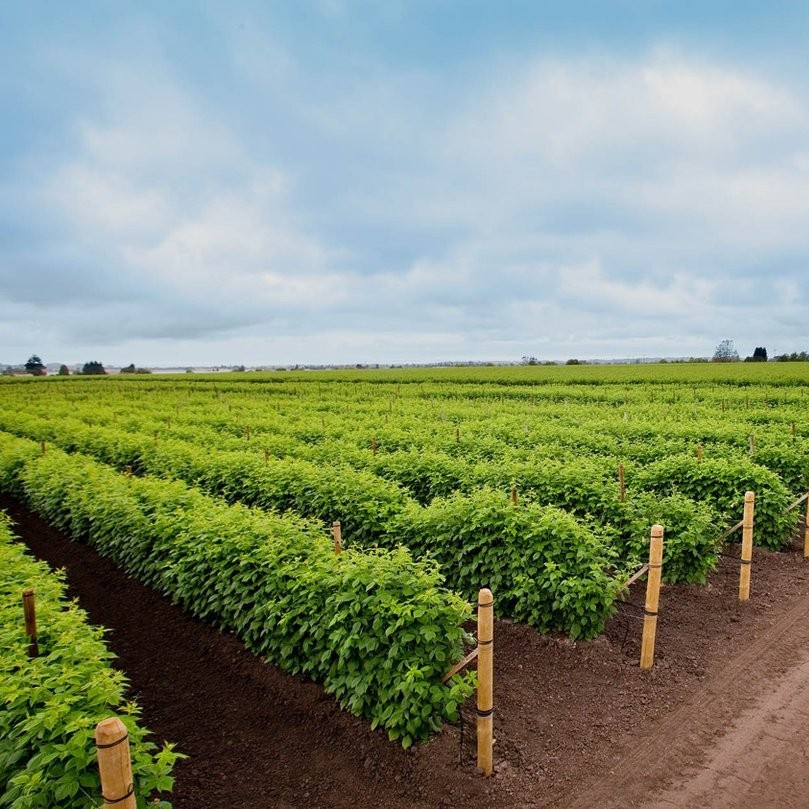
(221, 490)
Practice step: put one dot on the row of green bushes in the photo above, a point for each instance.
(375, 511)
(50, 705)
(376, 628)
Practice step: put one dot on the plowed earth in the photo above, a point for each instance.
(722, 720)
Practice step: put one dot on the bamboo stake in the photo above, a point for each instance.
(29, 610)
(485, 677)
(621, 483)
(114, 764)
(747, 546)
(337, 534)
(806, 532)
(647, 649)
(514, 497)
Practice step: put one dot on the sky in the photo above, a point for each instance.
(346, 181)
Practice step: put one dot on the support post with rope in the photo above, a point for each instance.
(747, 546)
(485, 678)
(647, 649)
(114, 764)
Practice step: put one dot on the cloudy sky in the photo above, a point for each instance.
(401, 180)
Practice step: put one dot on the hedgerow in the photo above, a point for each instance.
(723, 483)
(377, 629)
(50, 704)
(546, 568)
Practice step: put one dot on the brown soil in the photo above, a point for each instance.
(577, 724)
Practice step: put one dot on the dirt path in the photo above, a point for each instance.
(576, 723)
(741, 739)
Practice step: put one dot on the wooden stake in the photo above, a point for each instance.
(647, 649)
(747, 546)
(337, 533)
(794, 431)
(485, 680)
(266, 456)
(373, 446)
(514, 497)
(42, 447)
(457, 434)
(752, 442)
(806, 532)
(114, 764)
(699, 452)
(29, 610)
(621, 483)
(247, 432)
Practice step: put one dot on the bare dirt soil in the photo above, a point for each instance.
(720, 721)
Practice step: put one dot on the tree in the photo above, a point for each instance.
(529, 360)
(93, 368)
(759, 355)
(726, 352)
(35, 366)
(63, 370)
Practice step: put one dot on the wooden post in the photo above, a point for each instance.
(266, 456)
(373, 446)
(514, 497)
(485, 679)
(457, 435)
(42, 447)
(114, 764)
(337, 533)
(723, 405)
(621, 483)
(29, 610)
(806, 532)
(794, 431)
(247, 432)
(747, 547)
(752, 441)
(699, 452)
(647, 649)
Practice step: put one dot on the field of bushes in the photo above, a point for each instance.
(221, 490)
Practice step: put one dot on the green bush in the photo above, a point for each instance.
(543, 565)
(377, 628)
(690, 546)
(722, 483)
(50, 705)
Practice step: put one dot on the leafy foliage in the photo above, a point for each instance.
(377, 628)
(52, 703)
(546, 568)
